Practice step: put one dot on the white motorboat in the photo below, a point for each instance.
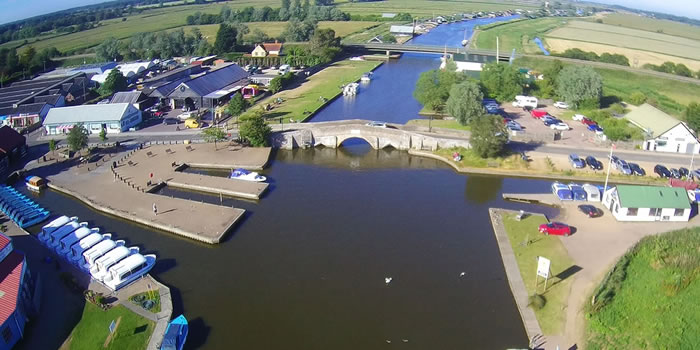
(53, 226)
(77, 249)
(63, 246)
(101, 266)
(242, 174)
(128, 270)
(366, 78)
(465, 41)
(350, 89)
(88, 258)
(55, 236)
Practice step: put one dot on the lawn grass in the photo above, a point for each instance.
(427, 8)
(151, 295)
(671, 95)
(92, 330)
(275, 29)
(552, 317)
(652, 25)
(516, 35)
(439, 123)
(379, 29)
(650, 299)
(301, 102)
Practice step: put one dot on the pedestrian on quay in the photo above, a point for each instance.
(155, 209)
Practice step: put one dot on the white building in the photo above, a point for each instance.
(647, 203)
(128, 70)
(114, 118)
(663, 133)
(401, 30)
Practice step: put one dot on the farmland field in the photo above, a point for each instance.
(653, 25)
(426, 8)
(275, 29)
(516, 35)
(628, 38)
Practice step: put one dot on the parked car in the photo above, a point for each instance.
(613, 159)
(538, 113)
(551, 121)
(555, 228)
(579, 117)
(376, 124)
(511, 125)
(623, 167)
(560, 126)
(684, 172)
(576, 162)
(590, 210)
(636, 169)
(562, 105)
(587, 121)
(597, 129)
(169, 121)
(593, 163)
(675, 173)
(662, 171)
(192, 123)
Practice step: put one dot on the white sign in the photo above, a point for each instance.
(543, 266)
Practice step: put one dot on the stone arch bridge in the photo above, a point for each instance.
(333, 134)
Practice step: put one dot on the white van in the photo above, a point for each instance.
(525, 101)
(284, 69)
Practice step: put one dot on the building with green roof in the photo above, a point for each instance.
(663, 133)
(647, 203)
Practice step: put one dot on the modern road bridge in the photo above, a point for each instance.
(466, 54)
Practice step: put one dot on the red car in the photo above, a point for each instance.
(588, 121)
(555, 228)
(538, 113)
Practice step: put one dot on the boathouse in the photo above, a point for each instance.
(17, 299)
(647, 203)
(112, 117)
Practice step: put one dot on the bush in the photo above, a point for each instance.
(637, 98)
(536, 301)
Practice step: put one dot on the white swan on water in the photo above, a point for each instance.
(388, 280)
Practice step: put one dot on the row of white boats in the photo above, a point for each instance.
(106, 260)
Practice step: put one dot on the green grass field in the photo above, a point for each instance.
(552, 316)
(516, 35)
(363, 36)
(629, 38)
(92, 330)
(275, 29)
(650, 300)
(428, 8)
(652, 25)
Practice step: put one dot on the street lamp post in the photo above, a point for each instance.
(605, 188)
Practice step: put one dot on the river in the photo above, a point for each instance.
(306, 268)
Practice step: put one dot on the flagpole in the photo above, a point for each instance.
(609, 166)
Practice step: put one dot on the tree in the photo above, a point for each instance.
(433, 88)
(254, 130)
(637, 98)
(284, 10)
(237, 105)
(26, 57)
(275, 85)
(580, 86)
(225, 39)
(258, 36)
(115, 82)
(103, 135)
(682, 70)
(324, 44)
(214, 134)
(297, 31)
(388, 38)
(489, 136)
(501, 81)
(52, 145)
(77, 137)
(108, 50)
(465, 102)
(692, 116)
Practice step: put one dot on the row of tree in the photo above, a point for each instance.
(673, 68)
(592, 56)
(28, 62)
(288, 11)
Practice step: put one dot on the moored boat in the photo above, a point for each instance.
(242, 174)
(77, 249)
(176, 334)
(64, 245)
(35, 183)
(128, 270)
(563, 192)
(54, 225)
(88, 258)
(101, 266)
(55, 237)
(366, 78)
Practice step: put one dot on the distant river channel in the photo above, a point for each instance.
(306, 268)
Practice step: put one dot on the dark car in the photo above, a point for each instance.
(684, 172)
(636, 169)
(595, 128)
(675, 173)
(576, 162)
(590, 210)
(551, 121)
(169, 121)
(662, 171)
(593, 163)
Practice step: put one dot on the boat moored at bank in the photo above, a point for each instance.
(176, 334)
(99, 269)
(128, 270)
(64, 245)
(56, 236)
(88, 258)
(54, 225)
(242, 174)
(77, 249)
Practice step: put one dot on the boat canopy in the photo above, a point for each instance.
(563, 192)
(35, 181)
(64, 231)
(577, 191)
(85, 243)
(75, 236)
(114, 256)
(592, 192)
(98, 250)
(55, 224)
(127, 266)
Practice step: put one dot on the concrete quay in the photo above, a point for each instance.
(217, 185)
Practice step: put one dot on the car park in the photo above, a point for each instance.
(576, 161)
(594, 163)
(561, 105)
(675, 173)
(579, 117)
(560, 126)
(590, 210)
(555, 228)
(662, 171)
(636, 169)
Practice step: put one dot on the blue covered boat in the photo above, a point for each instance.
(577, 191)
(20, 209)
(563, 192)
(175, 334)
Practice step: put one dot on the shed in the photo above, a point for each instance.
(402, 30)
(12, 146)
(647, 203)
(113, 117)
(663, 133)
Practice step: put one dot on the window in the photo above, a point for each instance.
(654, 211)
(632, 211)
(7, 334)
(679, 212)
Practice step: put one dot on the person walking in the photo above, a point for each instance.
(155, 209)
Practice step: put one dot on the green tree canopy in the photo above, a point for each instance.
(225, 39)
(77, 137)
(692, 116)
(580, 86)
(108, 50)
(683, 70)
(388, 38)
(254, 130)
(237, 105)
(213, 134)
(489, 136)
(501, 81)
(324, 44)
(297, 30)
(275, 85)
(433, 87)
(465, 102)
(115, 82)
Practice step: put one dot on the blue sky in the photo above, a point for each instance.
(19, 9)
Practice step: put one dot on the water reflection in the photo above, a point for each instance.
(483, 189)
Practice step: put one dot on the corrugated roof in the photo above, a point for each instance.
(214, 80)
(632, 196)
(651, 119)
(126, 97)
(10, 279)
(32, 108)
(10, 139)
(86, 113)
(4, 241)
(401, 29)
(50, 99)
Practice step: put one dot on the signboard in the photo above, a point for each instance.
(543, 266)
(112, 326)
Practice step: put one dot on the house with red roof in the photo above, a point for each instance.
(16, 294)
(267, 49)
